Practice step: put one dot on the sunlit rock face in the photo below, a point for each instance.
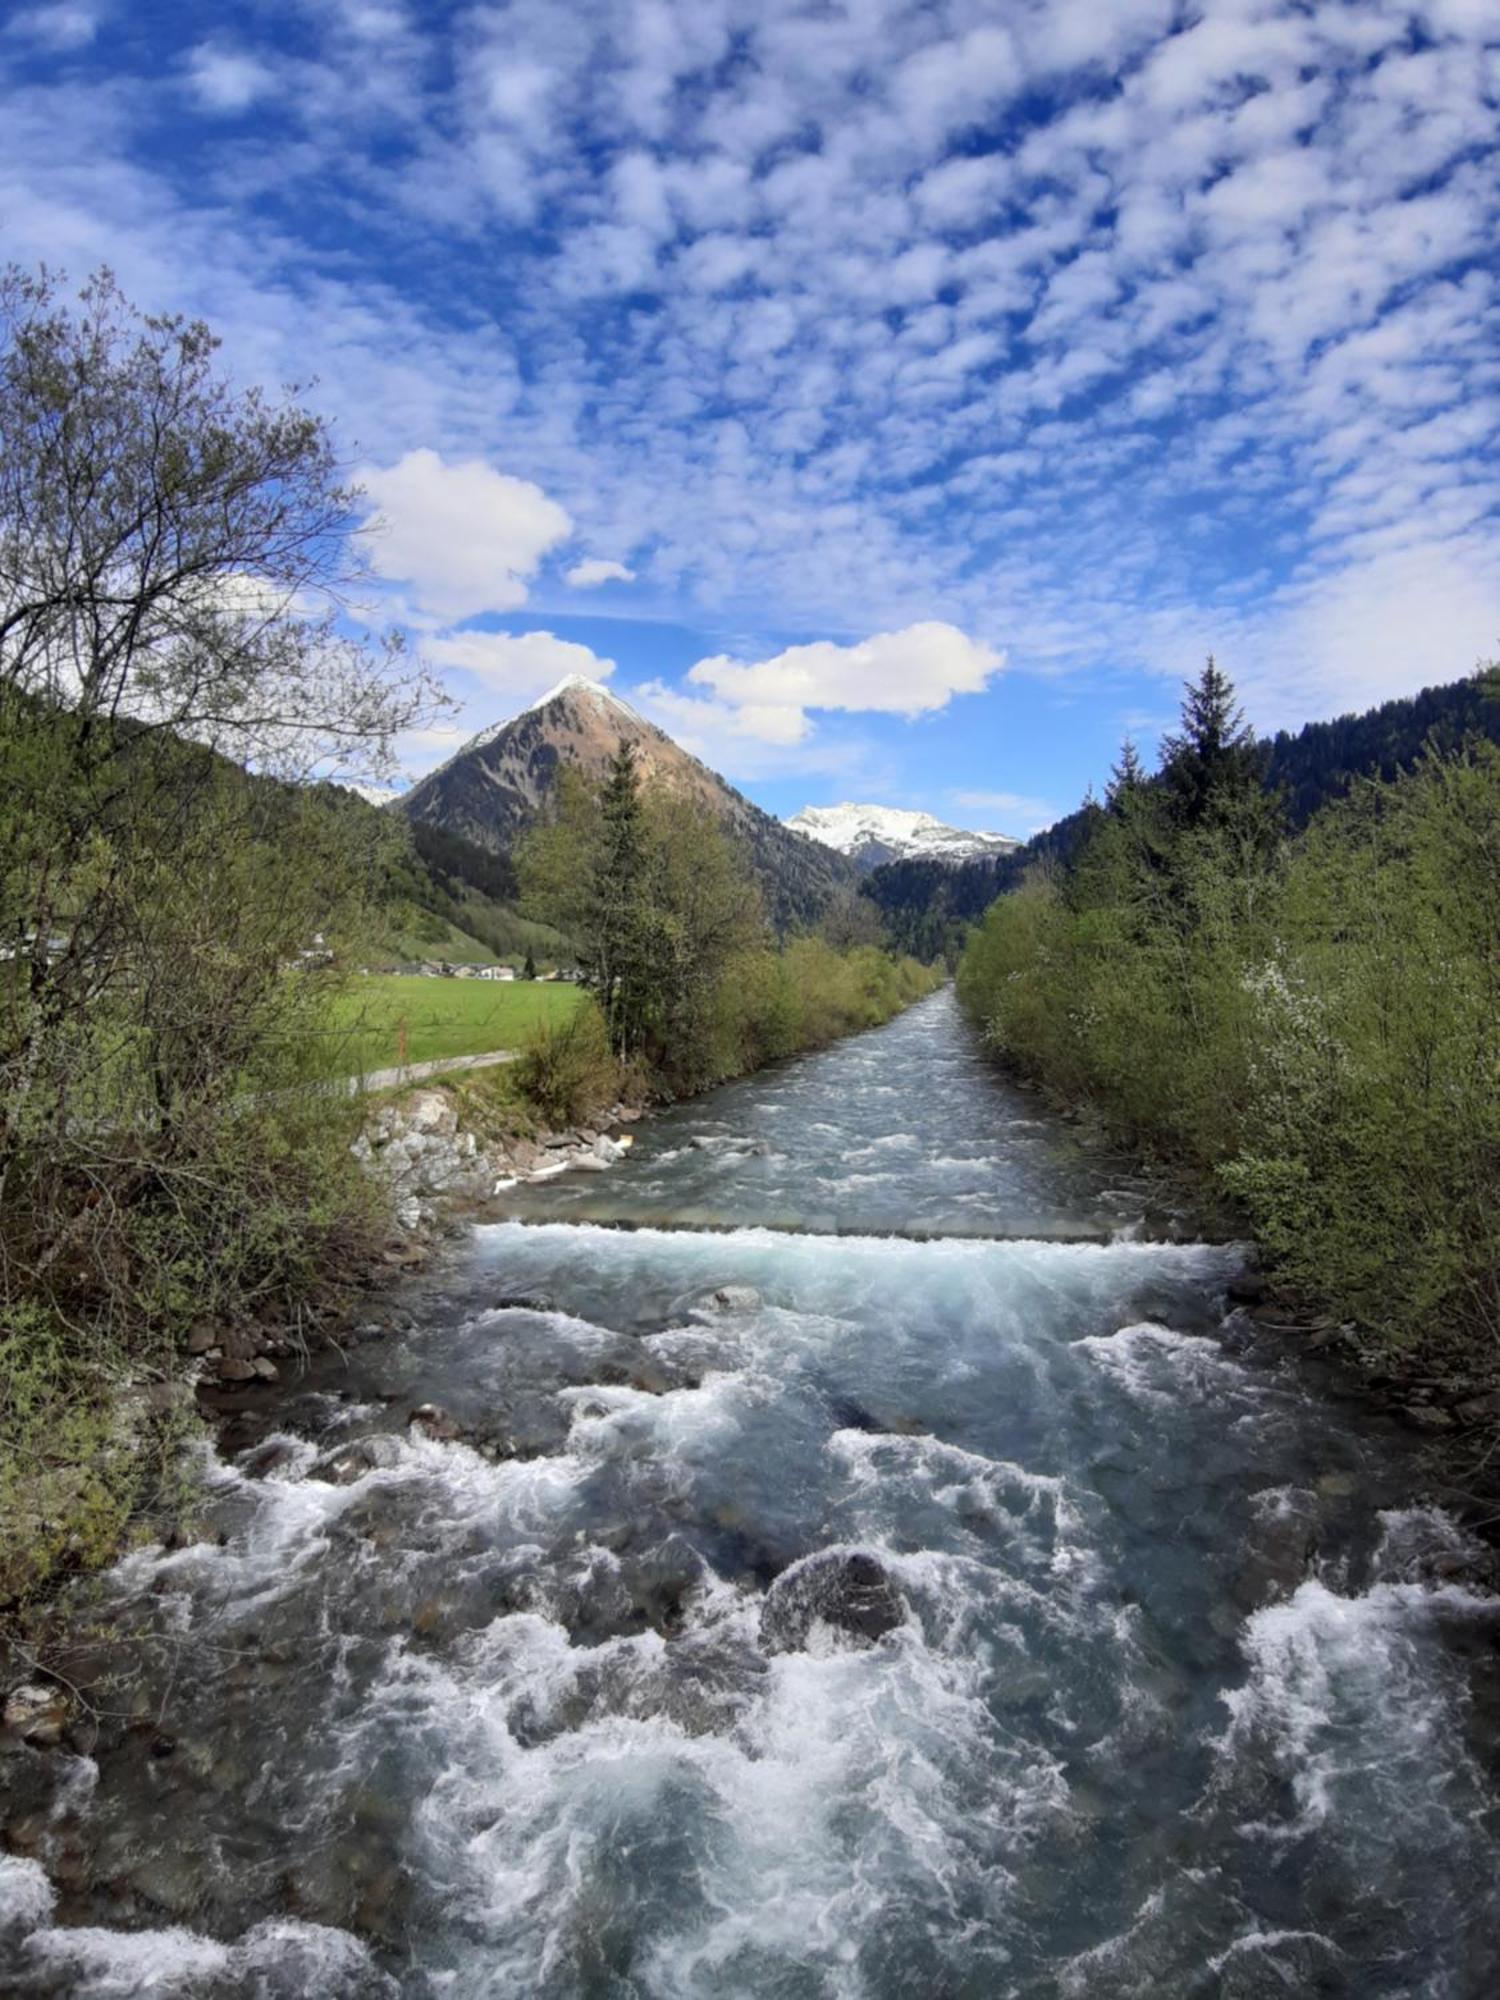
(501, 781)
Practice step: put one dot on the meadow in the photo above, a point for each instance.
(382, 1019)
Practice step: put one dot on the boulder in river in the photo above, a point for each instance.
(374, 1453)
(846, 1593)
(728, 1299)
(436, 1422)
(38, 1713)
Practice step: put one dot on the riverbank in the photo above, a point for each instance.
(1306, 1026)
(1450, 1399)
(93, 1439)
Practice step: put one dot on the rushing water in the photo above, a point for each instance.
(958, 1603)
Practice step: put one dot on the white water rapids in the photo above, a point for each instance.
(1174, 1684)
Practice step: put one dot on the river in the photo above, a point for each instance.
(876, 1561)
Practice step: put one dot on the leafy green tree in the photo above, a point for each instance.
(176, 890)
(673, 940)
(171, 553)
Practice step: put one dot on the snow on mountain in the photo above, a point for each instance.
(501, 782)
(871, 835)
(578, 684)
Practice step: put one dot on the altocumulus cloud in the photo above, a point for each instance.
(1121, 330)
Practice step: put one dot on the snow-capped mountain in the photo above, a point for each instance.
(871, 835)
(499, 784)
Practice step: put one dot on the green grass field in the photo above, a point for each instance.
(388, 1020)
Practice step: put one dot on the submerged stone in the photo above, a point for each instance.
(847, 1591)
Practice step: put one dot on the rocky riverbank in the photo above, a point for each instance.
(436, 1170)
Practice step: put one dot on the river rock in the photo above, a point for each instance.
(436, 1422)
(351, 1462)
(38, 1713)
(846, 1593)
(1424, 1417)
(1247, 1288)
(429, 1111)
(275, 1455)
(231, 1368)
(728, 1299)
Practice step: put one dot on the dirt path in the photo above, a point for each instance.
(404, 1073)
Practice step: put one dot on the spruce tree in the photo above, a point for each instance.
(619, 927)
(1126, 777)
(1212, 765)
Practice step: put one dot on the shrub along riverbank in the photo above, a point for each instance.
(1310, 1026)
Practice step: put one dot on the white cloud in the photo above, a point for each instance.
(521, 664)
(420, 750)
(63, 26)
(946, 85)
(462, 537)
(227, 80)
(716, 734)
(1408, 617)
(594, 570)
(908, 673)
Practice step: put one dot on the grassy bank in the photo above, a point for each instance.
(381, 1020)
(1310, 1026)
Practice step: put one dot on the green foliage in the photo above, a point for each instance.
(1314, 1024)
(926, 907)
(658, 902)
(450, 899)
(674, 945)
(79, 1456)
(1370, 1151)
(567, 1071)
(172, 927)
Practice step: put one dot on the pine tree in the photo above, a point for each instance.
(1212, 764)
(619, 929)
(1126, 777)
(528, 970)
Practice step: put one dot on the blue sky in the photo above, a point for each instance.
(894, 401)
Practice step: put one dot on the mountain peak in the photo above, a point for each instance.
(501, 783)
(576, 684)
(870, 835)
